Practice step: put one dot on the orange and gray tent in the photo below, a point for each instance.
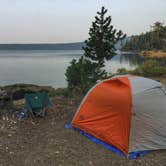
(126, 114)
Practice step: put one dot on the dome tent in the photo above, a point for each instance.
(125, 114)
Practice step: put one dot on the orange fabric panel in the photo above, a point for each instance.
(106, 113)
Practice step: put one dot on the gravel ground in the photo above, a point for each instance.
(46, 142)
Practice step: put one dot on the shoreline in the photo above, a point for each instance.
(144, 53)
(51, 90)
(153, 54)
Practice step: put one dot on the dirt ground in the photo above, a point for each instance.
(46, 142)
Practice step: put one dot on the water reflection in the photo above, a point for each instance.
(48, 67)
(128, 61)
(133, 59)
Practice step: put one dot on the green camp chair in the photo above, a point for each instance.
(37, 103)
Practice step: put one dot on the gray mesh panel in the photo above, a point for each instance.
(148, 123)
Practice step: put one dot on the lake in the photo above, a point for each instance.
(48, 67)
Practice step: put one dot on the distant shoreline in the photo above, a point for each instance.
(45, 46)
(144, 53)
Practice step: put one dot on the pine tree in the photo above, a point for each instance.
(152, 40)
(103, 36)
(83, 73)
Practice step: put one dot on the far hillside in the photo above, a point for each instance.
(153, 41)
(45, 46)
(50, 46)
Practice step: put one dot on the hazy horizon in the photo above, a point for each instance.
(47, 21)
(42, 43)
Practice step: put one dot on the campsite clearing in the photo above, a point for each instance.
(47, 142)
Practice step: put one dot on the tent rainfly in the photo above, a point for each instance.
(126, 114)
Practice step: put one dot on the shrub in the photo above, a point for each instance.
(59, 92)
(152, 68)
(83, 74)
(122, 71)
(149, 68)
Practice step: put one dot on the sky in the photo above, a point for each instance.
(62, 21)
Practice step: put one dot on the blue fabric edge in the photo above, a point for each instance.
(132, 155)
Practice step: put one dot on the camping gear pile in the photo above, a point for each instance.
(126, 114)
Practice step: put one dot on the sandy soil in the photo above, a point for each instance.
(46, 142)
(157, 54)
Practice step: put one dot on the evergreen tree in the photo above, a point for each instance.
(152, 40)
(83, 73)
(103, 36)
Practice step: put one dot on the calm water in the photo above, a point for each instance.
(48, 67)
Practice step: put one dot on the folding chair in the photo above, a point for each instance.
(37, 103)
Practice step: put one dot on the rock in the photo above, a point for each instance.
(57, 152)
(5, 99)
(3, 92)
(90, 163)
(4, 95)
(18, 90)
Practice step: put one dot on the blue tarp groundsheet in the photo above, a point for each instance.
(132, 155)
